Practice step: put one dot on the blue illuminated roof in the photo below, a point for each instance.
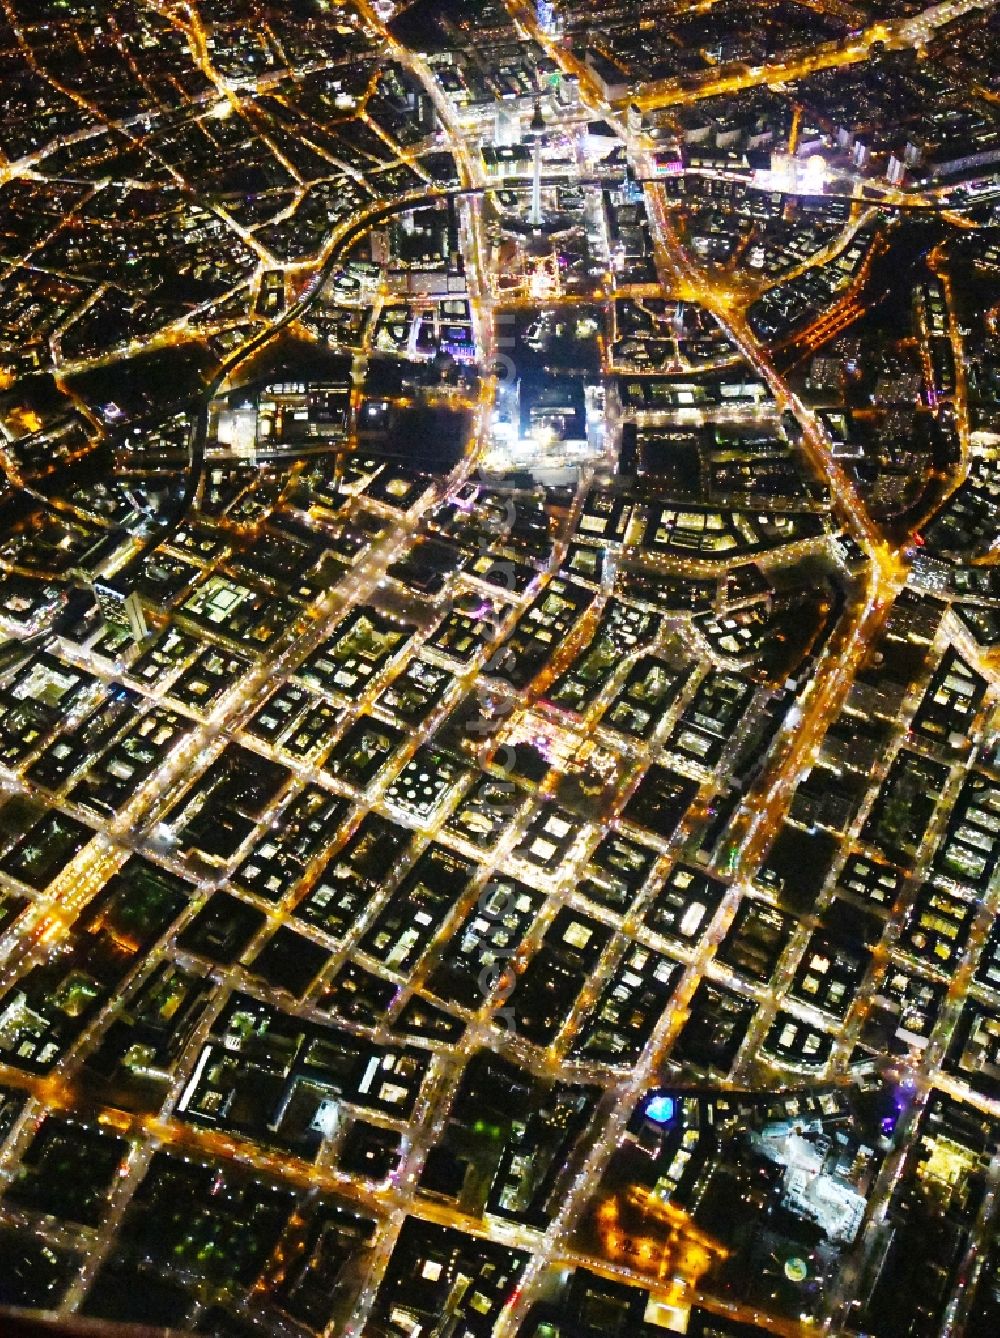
(661, 1109)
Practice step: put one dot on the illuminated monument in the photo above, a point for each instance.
(535, 233)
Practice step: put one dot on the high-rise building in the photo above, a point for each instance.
(121, 608)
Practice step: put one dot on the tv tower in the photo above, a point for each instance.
(537, 132)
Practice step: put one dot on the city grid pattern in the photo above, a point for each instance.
(499, 772)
